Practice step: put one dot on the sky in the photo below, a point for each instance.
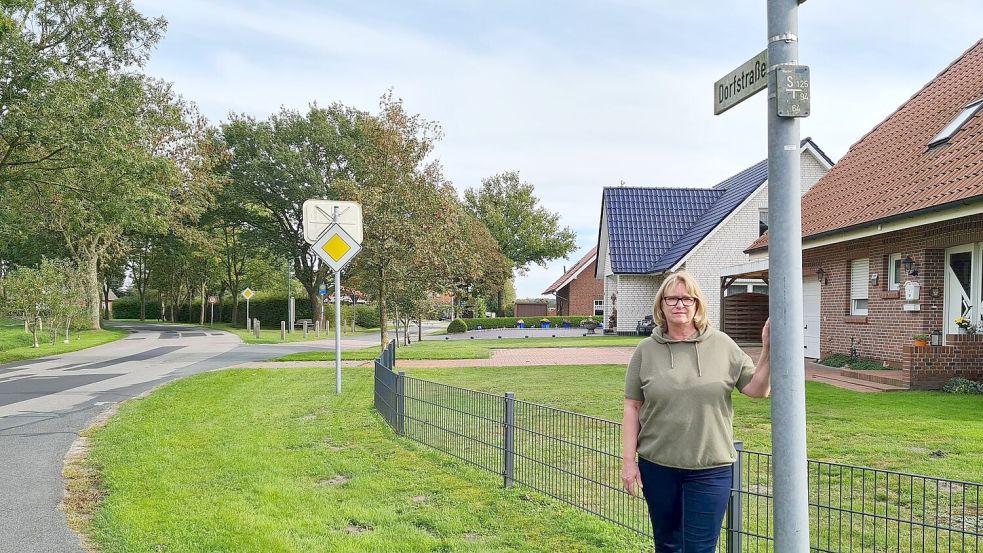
(575, 95)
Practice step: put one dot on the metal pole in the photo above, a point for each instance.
(735, 515)
(212, 323)
(247, 314)
(509, 447)
(337, 331)
(791, 508)
(401, 404)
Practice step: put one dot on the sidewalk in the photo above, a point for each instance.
(519, 357)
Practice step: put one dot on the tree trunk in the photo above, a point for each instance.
(396, 321)
(202, 303)
(501, 303)
(143, 305)
(419, 328)
(382, 311)
(92, 286)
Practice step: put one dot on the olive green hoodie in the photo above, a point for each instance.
(686, 416)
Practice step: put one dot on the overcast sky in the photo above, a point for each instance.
(575, 95)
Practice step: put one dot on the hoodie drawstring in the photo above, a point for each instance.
(699, 370)
(672, 360)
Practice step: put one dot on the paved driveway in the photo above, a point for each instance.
(44, 403)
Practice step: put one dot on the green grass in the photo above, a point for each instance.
(467, 349)
(897, 431)
(16, 345)
(248, 460)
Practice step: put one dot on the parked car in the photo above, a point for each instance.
(645, 326)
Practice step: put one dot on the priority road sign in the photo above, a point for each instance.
(336, 247)
(247, 293)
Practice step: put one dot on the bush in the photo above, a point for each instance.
(457, 326)
(962, 386)
(845, 360)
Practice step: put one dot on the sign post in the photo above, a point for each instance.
(788, 99)
(338, 230)
(322, 291)
(247, 293)
(212, 300)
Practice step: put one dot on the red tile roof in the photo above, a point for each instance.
(573, 272)
(891, 171)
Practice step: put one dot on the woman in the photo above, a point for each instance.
(679, 417)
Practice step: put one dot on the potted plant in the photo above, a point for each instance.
(921, 340)
(590, 324)
(520, 324)
(966, 325)
(566, 323)
(544, 322)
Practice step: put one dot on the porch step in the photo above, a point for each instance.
(857, 385)
(889, 377)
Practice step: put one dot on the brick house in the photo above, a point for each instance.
(647, 233)
(893, 235)
(579, 291)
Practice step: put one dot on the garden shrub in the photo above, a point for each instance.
(510, 322)
(844, 360)
(457, 326)
(962, 386)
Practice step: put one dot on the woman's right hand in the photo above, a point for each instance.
(631, 478)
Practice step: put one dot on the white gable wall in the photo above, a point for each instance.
(636, 296)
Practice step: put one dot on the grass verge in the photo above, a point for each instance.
(929, 433)
(270, 460)
(16, 345)
(266, 335)
(467, 349)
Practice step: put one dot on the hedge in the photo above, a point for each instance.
(510, 322)
(456, 326)
(264, 308)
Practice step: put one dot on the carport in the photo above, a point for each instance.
(743, 314)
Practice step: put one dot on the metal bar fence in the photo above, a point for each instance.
(576, 459)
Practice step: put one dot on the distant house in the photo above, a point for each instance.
(646, 233)
(579, 291)
(531, 308)
(892, 236)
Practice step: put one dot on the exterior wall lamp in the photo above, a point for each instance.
(935, 338)
(821, 275)
(909, 266)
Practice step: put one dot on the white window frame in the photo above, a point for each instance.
(894, 271)
(859, 286)
(598, 306)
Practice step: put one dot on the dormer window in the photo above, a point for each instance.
(956, 124)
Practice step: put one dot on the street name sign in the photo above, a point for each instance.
(740, 84)
(319, 215)
(793, 90)
(247, 293)
(336, 247)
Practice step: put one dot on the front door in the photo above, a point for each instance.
(963, 285)
(810, 316)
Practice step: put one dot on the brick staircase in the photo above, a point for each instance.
(897, 378)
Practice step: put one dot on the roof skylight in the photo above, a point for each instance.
(956, 124)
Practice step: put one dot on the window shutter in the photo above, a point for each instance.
(859, 274)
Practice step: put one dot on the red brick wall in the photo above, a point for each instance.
(929, 368)
(577, 298)
(887, 330)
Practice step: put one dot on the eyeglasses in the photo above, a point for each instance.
(672, 301)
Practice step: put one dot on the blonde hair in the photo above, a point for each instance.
(693, 289)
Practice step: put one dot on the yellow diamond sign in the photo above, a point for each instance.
(247, 293)
(336, 247)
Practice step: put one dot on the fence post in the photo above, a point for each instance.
(256, 327)
(317, 328)
(305, 329)
(735, 504)
(392, 354)
(509, 450)
(400, 403)
(283, 330)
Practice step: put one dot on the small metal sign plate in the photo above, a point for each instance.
(794, 92)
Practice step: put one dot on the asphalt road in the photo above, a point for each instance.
(45, 403)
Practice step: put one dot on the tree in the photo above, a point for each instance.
(526, 232)
(272, 167)
(53, 292)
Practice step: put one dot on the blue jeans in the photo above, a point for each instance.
(686, 506)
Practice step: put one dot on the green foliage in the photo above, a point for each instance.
(50, 297)
(962, 386)
(845, 360)
(457, 326)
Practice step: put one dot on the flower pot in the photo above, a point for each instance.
(920, 343)
(520, 325)
(544, 325)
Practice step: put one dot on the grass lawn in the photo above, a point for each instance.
(16, 345)
(467, 349)
(271, 460)
(897, 431)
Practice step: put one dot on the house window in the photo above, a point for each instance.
(859, 273)
(953, 127)
(760, 289)
(735, 289)
(762, 220)
(598, 308)
(894, 272)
